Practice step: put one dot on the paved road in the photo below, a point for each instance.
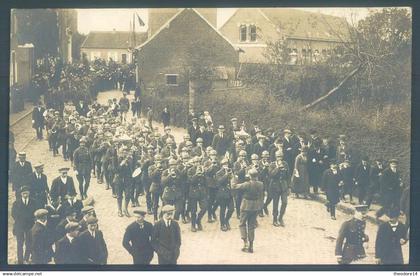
(308, 238)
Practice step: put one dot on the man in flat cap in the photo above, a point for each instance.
(68, 249)
(222, 143)
(350, 240)
(21, 173)
(62, 185)
(166, 237)
(137, 238)
(70, 215)
(39, 185)
(389, 239)
(93, 246)
(41, 241)
(82, 167)
(87, 212)
(252, 203)
(391, 185)
(23, 215)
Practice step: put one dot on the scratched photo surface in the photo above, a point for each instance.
(210, 136)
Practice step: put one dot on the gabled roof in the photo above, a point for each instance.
(302, 24)
(111, 40)
(178, 14)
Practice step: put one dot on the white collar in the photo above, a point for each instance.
(42, 222)
(167, 221)
(69, 237)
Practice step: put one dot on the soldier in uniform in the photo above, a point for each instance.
(389, 239)
(93, 246)
(23, 215)
(82, 167)
(211, 167)
(350, 240)
(155, 175)
(279, 187)
(197, 194)
(172, 187)
(21, 173)
(252, 203)
(62, 185)
(263, 175)
(239, 169)
(137, 238)
(147, 161)
(223, 196)
(123, 182)
(40, 239)
(39, 186)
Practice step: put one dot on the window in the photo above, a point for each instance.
(242, 33)
(252, 33)
(171, 79)
(293, 56)
(304, 56)
(124, 58)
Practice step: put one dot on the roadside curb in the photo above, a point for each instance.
(28, 112)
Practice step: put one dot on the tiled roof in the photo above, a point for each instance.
(111, 40)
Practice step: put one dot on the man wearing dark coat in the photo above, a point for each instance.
(23, 215)
(391, 235)
(332, 180)
(62, 186)
(166, 237)
(38, 120)
(194, 130)
(221, 142)
(349, 244)
(93, 246)
(60, 230)
(361, 175)
(82, 108)
(374, 185)
(137, 239)
(83, 167)
(68, 249)
(21, 173)
(391, 184)
(289, 150)
(39, 186)
(40, 240)
(166, 117)
(252, 203)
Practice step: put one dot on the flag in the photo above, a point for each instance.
(141, 23)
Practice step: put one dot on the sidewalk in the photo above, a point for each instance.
(14, 118)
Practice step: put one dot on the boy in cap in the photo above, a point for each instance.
(23, 215)
(353, 233)
(40, 240)
(389, 239)
(93, 246)
(137, 238)
(166, 237)
(68, 249)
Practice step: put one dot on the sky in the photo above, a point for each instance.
(119, 19)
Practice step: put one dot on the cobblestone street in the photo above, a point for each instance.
(308, 238)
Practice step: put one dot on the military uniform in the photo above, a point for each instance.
(197, 195)
(155, 175)
(352, 236)
(279, 179)
(83, 166)
(224, 198)
(172, 191)
(210, 170)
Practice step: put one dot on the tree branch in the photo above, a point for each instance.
(335, 89)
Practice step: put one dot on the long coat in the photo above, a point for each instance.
(59, 189)
(23, 215)
(67, 252)
(82, 161)
(166, 241)
(387, 246)
(93, 250)
(39, 189)
(390, 187)
(137, 241)
(38, 117)
(331, 184)
(21, 175)
(221, 145)
(301, 184)
(352, 236)
(40, 244)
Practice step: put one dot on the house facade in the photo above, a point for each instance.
(308, 35)
(186, 41)
(110, 45)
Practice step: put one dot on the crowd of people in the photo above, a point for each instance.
(246, 172)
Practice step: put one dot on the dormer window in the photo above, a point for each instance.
(242, 33)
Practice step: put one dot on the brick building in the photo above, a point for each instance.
(109, 45)
(308, 35)
(183, 40)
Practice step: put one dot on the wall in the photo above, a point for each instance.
(105, 54)
(170, 51)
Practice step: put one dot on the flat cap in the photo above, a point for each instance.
(139, 212)
(234, 119)
(25, 189)
(87, 209)
(168, 208)
(92, 220)
(221, 127)
(72, 226)
(22, 153)
(38, 165)
(361, 208)
(393, 161)
(64, 169)
(40, 213)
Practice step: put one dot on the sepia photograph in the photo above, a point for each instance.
(210, 136)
